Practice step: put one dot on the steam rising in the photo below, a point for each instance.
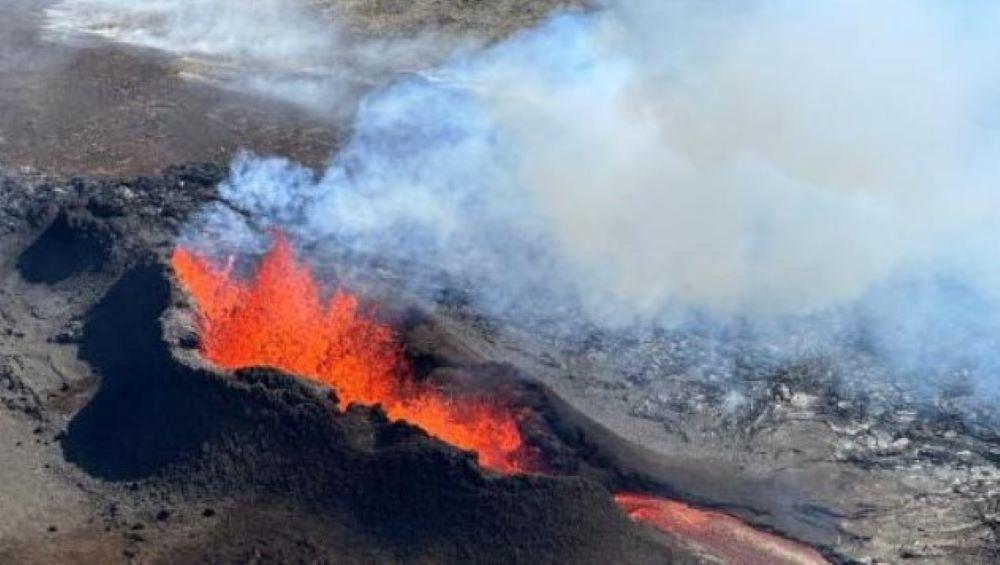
(784, 163)
(284, 49)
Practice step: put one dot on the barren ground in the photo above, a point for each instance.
(100, 109)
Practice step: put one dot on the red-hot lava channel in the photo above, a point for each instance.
(728, 538)
(279, 319)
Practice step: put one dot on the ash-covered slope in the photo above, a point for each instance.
(176, 459)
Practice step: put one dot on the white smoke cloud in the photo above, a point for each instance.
(285, 49)
(769, 159)
(784, 161)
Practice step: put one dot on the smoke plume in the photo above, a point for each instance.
(285, 49)
(820, 166)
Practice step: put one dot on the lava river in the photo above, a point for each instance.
(279, 318)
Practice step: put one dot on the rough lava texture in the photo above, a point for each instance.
(144, 452)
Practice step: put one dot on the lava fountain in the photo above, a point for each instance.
(279, 318)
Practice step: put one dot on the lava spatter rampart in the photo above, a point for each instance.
(279, 318)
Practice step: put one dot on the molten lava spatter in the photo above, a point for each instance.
(726, 537)
(279, 319)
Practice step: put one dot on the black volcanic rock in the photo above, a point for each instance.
(259, 436)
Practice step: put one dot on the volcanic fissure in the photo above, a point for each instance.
(279, 318)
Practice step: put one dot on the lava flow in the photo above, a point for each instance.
(279, 319)
(726, 537)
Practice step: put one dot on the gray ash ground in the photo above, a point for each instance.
(120, 443)
(100, 108)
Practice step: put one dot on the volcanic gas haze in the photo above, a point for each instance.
(769, 161)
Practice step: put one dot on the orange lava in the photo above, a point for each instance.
(726, 537)
(279, 319)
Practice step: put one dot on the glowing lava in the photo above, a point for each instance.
(726, 537)
(279, 319)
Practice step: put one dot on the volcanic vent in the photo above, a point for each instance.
(348, 482)
(350, 443)
(278, 318)
(191, 457)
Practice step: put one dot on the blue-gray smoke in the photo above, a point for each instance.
(826, 168)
